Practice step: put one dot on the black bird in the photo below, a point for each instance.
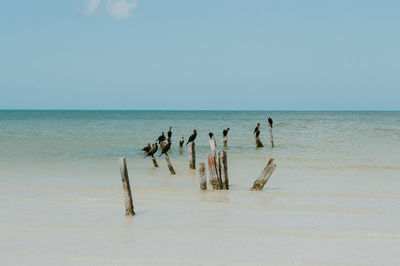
(192, 137)
(257, 133)
(147, 148)
(225, 132)
(161, 138)
(270, 121)
(181, 142)
(257, 128)
(211, 135)
(153, 150)
(169, 133)
(166, 147)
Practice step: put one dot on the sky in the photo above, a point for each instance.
(215, 55)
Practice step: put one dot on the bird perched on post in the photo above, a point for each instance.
(257, 133)
(181, 142)
(270, 122)
(161, 138)
(166, 147)
(147, 148)
(257, 128)
(169, 133)
(211, 135)
(152, 151)
(192, 137)
(225, 132)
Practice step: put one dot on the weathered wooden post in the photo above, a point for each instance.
(213, 146)
(192, 155)
(154, 161)
(171, 169)
(212, 169)
(225, 140)
(264, 176)
(272, 138)
(223, 166)
(127, 188)
(203, 178)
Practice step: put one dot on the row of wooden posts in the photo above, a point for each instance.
(218, 175)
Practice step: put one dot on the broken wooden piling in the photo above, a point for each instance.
(212, 169)
(213, 146)
(127, 188)
(264, 176)
(223, 169)
(192, 155)
(203, 178)
(225, 141)
(171, 169)
(272, 137)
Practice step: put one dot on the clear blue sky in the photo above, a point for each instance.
(210, 54)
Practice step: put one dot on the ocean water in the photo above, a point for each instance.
(333, 200)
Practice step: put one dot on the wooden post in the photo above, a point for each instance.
(192, 155)
(171, 169)
(127, 188)
(180, 150)
(264, 176)
(225, 142)
(272, 138)
(154, 161)
(223, 166)
(203, 178)
(212, 169)
(259, 143)
(213, 146)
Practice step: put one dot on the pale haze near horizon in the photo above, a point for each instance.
(258, 55)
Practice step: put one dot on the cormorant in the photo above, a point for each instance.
(211, 135)
(270, 121)
(161, 138)
(166, 147)
(192, 137)
(181, 142)
(147, 148)
(257, 133)
(153, 150)
(169, 133)
(257, 128)
(225, 132)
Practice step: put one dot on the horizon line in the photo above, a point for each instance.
(212, 110)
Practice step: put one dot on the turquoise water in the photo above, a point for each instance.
(333, 198)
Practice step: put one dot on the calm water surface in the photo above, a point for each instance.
(333, 199)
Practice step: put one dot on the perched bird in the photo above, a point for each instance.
(225, 132)
(257, 133)
(169, 133)
(161, 138)
(181, 142)
(152, 151)
(147, 148)
(257, 128)
(166, 147)
(192, 137)
(270, 121)
(211, 135)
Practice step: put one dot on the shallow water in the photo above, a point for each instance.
(333, 199)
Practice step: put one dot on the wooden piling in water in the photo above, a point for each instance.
(192, 155)
(264, 176)
(272, 138)
(203, 178)
(171, 169)
(259, 143)
(154, 161)
(212, 169)
(213, 146)
(223, 166)
(127, 188)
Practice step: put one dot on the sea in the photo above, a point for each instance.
(334, 198)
